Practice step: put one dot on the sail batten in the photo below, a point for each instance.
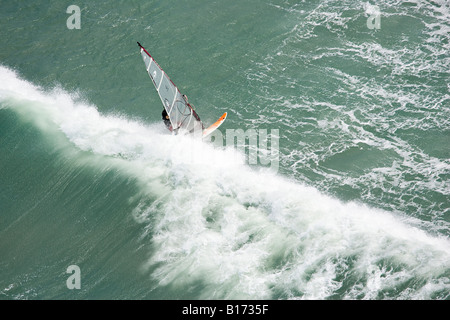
(179, 110)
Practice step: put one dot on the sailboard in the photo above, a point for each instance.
(214, 126)
(183, 118)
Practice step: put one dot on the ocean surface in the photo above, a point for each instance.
(354, 203)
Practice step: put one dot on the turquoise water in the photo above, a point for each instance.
(356, 207)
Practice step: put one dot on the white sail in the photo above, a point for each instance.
(182, 116)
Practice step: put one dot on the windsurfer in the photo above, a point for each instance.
(166, 119)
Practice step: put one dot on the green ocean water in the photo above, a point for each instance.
(356, 206)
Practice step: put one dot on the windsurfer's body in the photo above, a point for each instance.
(166, 119)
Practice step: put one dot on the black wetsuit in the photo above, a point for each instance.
(166, 121)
